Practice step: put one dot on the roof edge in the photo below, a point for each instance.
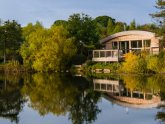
(125, 33)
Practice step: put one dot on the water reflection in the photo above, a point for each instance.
(11, 100)
(49, 93)
(78, 97)
(135, 91)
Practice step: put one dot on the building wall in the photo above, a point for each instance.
(154, 40)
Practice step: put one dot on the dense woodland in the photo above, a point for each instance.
(66, 42)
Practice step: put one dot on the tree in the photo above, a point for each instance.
(48, 49)
(148, 27)
(160, 17)
(82, 28)
(118, 27)
(110, 27)
(132, 25)
(103, 20)
(61, 22)
(105, 25)
(10, 38)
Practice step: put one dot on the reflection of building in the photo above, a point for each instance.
(116, 45)
(115, 91)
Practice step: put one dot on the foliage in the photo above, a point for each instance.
(148, 27)
(82, 28)
(131, 63)
(47, 50)
(10, 39)
(113, 67)
(61, 22)
(160, 17)
(59, 94)
(12, 101)
(132, 25)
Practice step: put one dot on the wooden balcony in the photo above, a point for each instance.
(118, 55)
(107, 55)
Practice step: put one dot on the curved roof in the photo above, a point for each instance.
(125, 33)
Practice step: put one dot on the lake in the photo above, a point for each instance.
(44, 98)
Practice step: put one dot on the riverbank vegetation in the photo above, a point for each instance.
(142, 63)
(69, 42)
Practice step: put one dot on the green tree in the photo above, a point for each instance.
(105, 25)
(132, 25)
(47, 49)
(148, 27)
(61, 22)
(10, 39)
(160, 17)
(110, 26)
(103, 20)
(118, 27)
(83, 28)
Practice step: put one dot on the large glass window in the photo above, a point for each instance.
(136, 44)
(114, 45)
(147, 43)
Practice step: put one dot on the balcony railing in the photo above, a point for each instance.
(106, 55)
(118, 55)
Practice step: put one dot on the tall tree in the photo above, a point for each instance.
(110, 26)
(61, 22)
(132, 25)
(10, 38)
(48, 49)
(160, 17)
(103, 20)
(118, 27)
(83, 29)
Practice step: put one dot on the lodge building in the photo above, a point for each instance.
(116, 45)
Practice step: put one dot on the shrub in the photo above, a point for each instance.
(152, 64)
(134, 64)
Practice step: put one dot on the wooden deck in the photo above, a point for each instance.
(107, 55)
(118, 55)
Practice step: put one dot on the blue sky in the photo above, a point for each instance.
(47, 11)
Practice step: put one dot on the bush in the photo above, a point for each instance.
(14, 66)
(152, 64)
(134, 64)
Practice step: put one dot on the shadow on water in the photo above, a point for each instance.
(49, 93)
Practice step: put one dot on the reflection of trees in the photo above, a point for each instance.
(161, 114)
(142, 83)
(161, 83)
(60, 94)
(11, 101)
(84, 108)
(154, 84)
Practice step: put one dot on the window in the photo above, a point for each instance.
(114, 45)
(136, 44)
(147, 43)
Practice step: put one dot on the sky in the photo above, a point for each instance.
(47, 11)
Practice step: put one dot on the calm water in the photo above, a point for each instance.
(65, 99)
